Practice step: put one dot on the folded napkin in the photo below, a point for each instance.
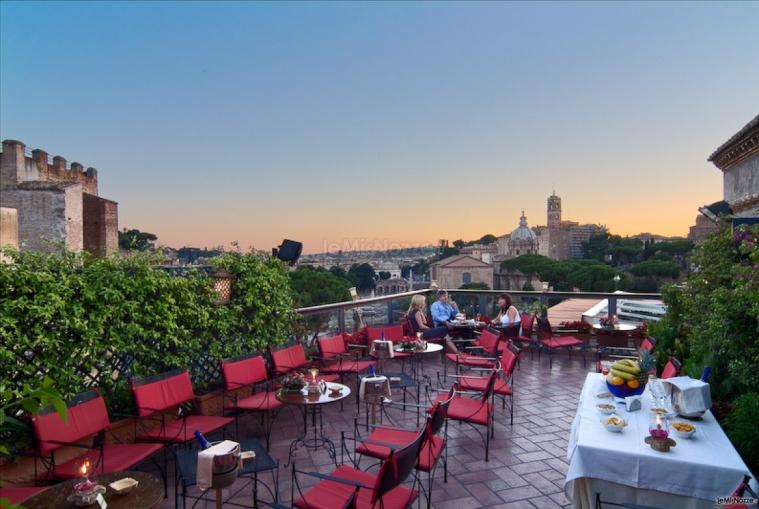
(379, 386)
(204, 476)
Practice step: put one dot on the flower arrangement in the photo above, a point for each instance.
(578, 325)
(294, 382)
(608, 322)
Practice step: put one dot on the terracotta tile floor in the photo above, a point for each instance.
(527, 459)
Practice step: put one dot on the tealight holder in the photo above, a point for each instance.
(659, 433)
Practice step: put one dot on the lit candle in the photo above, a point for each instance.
(313, 372)
(418, 336)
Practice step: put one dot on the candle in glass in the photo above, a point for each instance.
(313, 372)
(658, 428)
(85, 484)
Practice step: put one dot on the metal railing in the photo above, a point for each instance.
(388, 309)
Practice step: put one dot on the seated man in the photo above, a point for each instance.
(443, 311)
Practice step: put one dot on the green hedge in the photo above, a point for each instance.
(68, 314)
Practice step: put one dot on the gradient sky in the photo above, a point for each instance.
(353, 124)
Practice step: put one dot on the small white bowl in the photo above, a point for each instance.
(682, 434)
(614, 428)
(124, 485)
(606, 408)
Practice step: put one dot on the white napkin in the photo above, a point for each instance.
(691, 395)
(204, 476)
(374, 379)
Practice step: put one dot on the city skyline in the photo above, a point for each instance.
(396, 124)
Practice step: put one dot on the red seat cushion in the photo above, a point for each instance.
(334, 495)
(467, 410)
(427, 457)
(116, 458)
(469, 360)
(181, 430)
(18, 495)
(347, 366)
(479, 384)
(561, 341)
(264, 401)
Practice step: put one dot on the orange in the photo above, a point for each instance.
(616, 380)
(633, 384)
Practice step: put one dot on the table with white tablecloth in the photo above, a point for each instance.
(623, 468)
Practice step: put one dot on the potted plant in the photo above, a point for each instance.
(293, 383)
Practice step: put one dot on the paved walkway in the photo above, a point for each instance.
(527, 460)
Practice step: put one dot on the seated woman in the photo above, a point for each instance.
(508, 314)
(418, 320)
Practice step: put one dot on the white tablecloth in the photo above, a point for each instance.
(623, 468)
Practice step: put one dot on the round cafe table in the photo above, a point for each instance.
(148, 493)
(312, 404)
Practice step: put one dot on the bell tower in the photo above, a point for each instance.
(554, 211)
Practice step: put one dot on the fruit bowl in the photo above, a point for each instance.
(622, 391)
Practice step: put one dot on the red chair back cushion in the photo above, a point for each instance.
(163, 394)
(527, 323)
(489, 340)
(509, 361)
(331, 347)
(392, 332)
(84, 419)
(396, 468)
(647, 345)
(243, 372)
(669, 370)
(290, 358)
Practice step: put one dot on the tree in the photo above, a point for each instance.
(458, 243)
(363, 276)
(339, 272)
(314, 286)
(135, 240)
(527, 287)
(488, 239)
(656, 268)
(384, 275)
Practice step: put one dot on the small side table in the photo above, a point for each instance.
(148, 493)
(313, 405)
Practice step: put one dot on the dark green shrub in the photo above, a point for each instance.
(742, 428)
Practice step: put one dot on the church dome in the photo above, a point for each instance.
(523, 232)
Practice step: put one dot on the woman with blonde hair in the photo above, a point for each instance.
(418, 320)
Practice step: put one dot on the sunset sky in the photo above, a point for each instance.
(382, 124)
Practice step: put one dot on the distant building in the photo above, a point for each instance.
(483, 252)
(703, 227)
(391, 286)
(454, 271)
(738, 158)
(519, 242)
(56, 203)
(560, 239)
(386, 266)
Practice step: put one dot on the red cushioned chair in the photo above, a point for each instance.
(475, 412)
(487, 345)
(504, 384)
(250, 371)
(551, 342)
(671, 369)
(392, 333)
(17, 495)
(350, 487)
(291, 359)
(87, 418)
(158, 395)
(336, 359)
(384, 439)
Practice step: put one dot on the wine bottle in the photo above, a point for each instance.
(371, 370)
(203, 442)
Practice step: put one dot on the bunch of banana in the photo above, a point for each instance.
(626, 369)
